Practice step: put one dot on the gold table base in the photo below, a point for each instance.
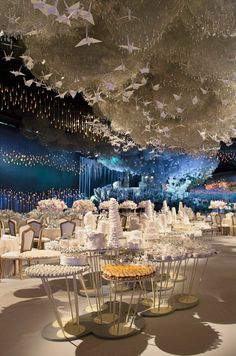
(188, 299)
(105, 318)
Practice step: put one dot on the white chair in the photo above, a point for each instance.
(15, 256)
(67, 227)
(39, 240)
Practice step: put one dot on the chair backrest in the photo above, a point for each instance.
(27, 240)
(30, 220)
(234, 220)
(61, 220)
(218, 219)
(12, 227)
(21, 230)
(36, 226)
(40, 246)
(1, 228)
(67, 227)
(76, 221)
(123, 220)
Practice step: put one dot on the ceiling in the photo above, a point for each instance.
(128, 74)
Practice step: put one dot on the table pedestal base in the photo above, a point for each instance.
(72, 331)
(95, 308)
(157, 311)
(105, 318)
(179, 301)
(120, 330)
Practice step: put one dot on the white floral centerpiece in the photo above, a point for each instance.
(128, 204)
(217, 204)
(104, 205)
(83, 206)
(142, 204)
(51, 207)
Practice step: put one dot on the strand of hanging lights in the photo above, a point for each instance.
(61, 162)
(62, 114)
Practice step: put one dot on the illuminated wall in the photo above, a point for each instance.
(26, 166)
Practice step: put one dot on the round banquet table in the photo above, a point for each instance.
(51, 233)
(72, 328)
(8, 243)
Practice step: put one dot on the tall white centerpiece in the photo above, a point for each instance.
(115, 228)
(165, 207)
(149, 210)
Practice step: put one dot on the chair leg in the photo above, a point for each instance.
(14, 265)
(20, 269)
(1, 267)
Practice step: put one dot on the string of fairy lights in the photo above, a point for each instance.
(43, 104)
(26, 201)
(226, 156)
(61, 162)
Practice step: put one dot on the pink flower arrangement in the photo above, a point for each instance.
(83, 206)
(104, 205)
(51, 206)
(143, 204)
(128, 204)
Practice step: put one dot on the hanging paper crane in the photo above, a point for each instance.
(87, 40)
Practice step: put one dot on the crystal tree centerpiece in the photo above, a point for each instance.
(116, 231)
(149, 210)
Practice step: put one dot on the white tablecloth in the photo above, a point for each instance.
(7, 244)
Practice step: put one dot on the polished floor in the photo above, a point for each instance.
(209, 328)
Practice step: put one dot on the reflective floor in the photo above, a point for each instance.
(209, 328)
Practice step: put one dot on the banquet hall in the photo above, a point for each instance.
(117, 177)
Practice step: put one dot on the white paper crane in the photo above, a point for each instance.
(64, 19)
(129, 16)
(195, 100)
(61, 95)
(73, 93)
(177, 97)
(17, 73)
(145, 69)
(180, 110)
(203, 134)
(204, 91)
(160, 105)
(121, 67)
(46, 76)
(87, 40)
(8, 57)
(156, 87)
(73, 9)
(28, 82)
(130, 46)
(86, 14)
